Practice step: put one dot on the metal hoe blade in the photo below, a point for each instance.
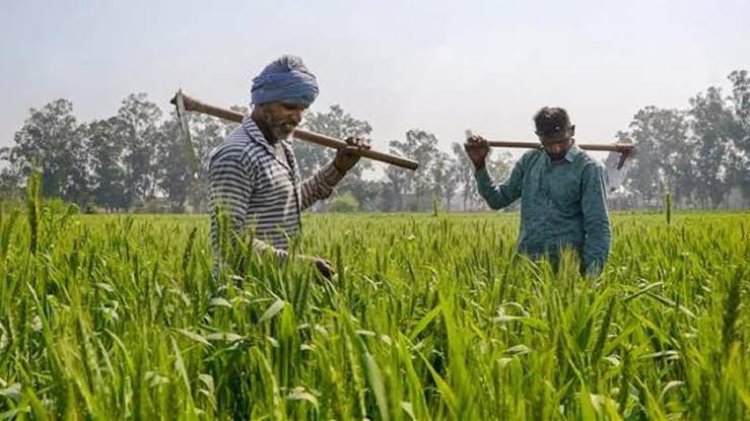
(182, 115)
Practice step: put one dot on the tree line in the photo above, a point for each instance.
(699, 154)
(137, 160)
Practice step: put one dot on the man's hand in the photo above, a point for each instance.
(477, 148)
(321, 265)
(346, 157)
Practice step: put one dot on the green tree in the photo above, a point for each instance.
(397, 181)
(140, 130)
(665, 154)
(677, 151)
(740, 103)
(175, 171)
(711, 125)
(105, 155)
(52, 140)
(422, 147)
(443, 178)
(645, 179)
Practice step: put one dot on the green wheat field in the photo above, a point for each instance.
(429, 317)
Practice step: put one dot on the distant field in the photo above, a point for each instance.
(119, 317)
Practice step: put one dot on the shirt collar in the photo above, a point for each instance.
(256, 135)
(572, 153)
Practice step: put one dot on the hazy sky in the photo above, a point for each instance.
(435, 65)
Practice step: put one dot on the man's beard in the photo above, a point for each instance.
(282, 130)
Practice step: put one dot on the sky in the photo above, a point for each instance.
(439, 66)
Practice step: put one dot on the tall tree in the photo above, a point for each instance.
(140, 127)
(677, 150)
(443, 178)
(712, 126)
(464, 174)
(665, 154)
(645, 179)
(175, 171)
(740, 102)
(397, 180)
(422, 147)
(52, 140)
(105, 151)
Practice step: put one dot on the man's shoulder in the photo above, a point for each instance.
(585, 159)
(237, 146)
(531, 155)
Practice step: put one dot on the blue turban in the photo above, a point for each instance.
(286, 79)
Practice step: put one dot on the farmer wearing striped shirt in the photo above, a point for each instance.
(253, 174)
(562, 191)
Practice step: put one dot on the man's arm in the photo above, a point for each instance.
(503, 194)
(596, 227)
(500, 195)
(319, 186)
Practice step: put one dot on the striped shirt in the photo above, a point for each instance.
(259, 190)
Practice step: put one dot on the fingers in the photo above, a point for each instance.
(352, 151)
(324, 267)
(321, 265)
(476, 141)
(358, 142)
(349, 155)
(476, 144)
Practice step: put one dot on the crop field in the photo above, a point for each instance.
(428, 317)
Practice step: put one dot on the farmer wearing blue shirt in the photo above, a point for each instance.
(562, 191)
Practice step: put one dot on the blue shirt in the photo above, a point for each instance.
(563, 204)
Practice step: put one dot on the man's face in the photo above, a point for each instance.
(282, 118)
(557, 146)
